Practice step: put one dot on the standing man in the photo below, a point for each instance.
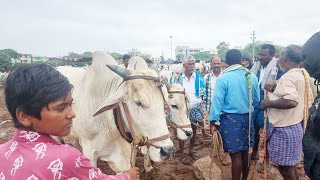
(210, 81)
(194, 86)
(125, 60)
(231, 107)
(265, 70)
(286, 107)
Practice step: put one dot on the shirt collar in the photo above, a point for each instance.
(193, 75)
(32, 136)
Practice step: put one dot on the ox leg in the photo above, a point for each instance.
(146, 159)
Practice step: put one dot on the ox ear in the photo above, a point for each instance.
(111, 102)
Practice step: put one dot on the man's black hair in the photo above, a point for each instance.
(270, 47)
(32, 87)
(126, 56)
(293, 53)
(233, 56)
(149, 61)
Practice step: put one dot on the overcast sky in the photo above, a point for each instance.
(56, 27)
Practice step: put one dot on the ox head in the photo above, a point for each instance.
(146, 108)
(179, 107)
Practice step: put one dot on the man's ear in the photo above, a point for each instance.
(24, 118)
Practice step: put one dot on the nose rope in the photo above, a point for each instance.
(140, 140)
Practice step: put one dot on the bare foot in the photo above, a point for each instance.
(227, 160)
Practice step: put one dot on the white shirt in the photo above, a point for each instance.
(261, 74)
(213, 82)
(190, 89)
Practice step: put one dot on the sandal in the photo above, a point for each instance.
(194, 156)
(184, 160)
(178, 153)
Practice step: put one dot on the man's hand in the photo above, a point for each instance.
(212, 127)
(270, 86)
(134, 173)
(265, 104)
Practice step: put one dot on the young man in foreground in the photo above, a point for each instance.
(39, 99)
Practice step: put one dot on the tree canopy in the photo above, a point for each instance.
(6, 56)
(222, 49)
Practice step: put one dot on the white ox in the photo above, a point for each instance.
(178, 102)
(99, 136)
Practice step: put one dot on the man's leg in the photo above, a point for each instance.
(288, 172)
(236, 165)
(204, 133)
(193, 139)
(245, 164)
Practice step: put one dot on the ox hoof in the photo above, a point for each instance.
(150, 169)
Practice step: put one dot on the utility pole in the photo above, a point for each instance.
(253, 37)
(171, 45)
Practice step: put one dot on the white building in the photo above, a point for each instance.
(187, 50)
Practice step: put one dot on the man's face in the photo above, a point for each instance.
(189, 66)
(56, 118)
(264, 57)
(245, 62)
(126, 62)
(216, 64)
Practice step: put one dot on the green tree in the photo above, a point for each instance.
(116, 56)
(179, 57)
(73, 55)
(222, 49)
(6, 55)
(10, 53)
(202, 56)
(87, 54)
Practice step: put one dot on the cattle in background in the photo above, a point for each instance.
(100, 88)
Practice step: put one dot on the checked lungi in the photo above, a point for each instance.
(285, 144)
(196, 113)
(234, 130)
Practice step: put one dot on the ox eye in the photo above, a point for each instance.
(138, 103)
(174, 106)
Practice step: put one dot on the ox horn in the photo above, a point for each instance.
(122, 72)
(166, 83)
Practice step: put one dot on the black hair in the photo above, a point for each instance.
(31, 87)
(270, 47)
(293, 53)
(149, 61)
(233, 56)
(126, 56)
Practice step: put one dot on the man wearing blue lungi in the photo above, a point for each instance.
(287, 108)
(230, 105)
